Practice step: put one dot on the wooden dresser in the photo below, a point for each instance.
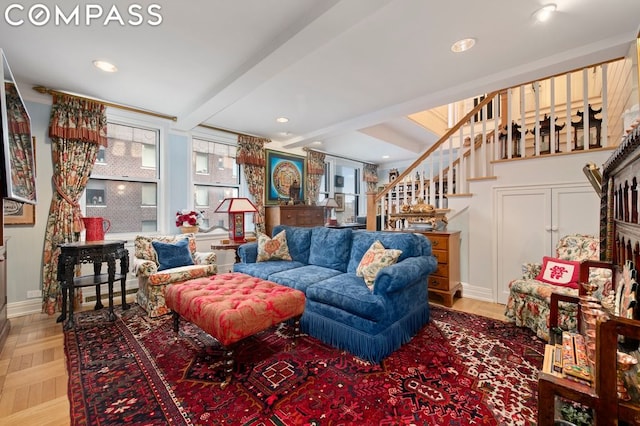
(300, 215)
(445, 281)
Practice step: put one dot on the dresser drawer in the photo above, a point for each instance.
(439, 283)
(440, 242)
(442, 271)
(441, 255)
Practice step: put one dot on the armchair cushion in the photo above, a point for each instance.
(564, 273)
(172, 255)
(529, 298)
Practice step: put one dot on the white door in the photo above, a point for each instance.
(521, 217)
(531, 220)
(575, 210)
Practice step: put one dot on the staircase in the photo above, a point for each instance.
(511, 126)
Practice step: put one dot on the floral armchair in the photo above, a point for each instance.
(162, 260)
(529, 298)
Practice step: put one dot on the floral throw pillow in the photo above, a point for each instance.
(273, 248)
(376, 258)
(565, 273)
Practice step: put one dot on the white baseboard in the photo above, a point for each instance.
(34, 306)
(477, 293)
(26, 307)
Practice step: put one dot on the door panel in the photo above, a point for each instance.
(523, 217)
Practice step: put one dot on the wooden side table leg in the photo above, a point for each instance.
(124, 267)
(111, 270)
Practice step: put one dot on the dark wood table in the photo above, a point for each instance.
(96, 252)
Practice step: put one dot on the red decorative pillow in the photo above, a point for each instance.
(560, 272)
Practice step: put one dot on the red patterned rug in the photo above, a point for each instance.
(460, 369)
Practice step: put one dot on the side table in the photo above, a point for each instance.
(96, 252)
(231, 245)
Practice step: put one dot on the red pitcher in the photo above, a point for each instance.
(96, 228)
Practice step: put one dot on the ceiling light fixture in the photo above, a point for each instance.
(105, 66)
(282, 120)
(316, 143)
(544, 13)
(385, 156)
(463, 45)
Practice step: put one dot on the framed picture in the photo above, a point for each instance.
(286, 176)
(339, 197)
(339, 181)
(16, 213)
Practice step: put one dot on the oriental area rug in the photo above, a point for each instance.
(459, 369)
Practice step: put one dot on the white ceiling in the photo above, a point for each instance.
(345, 72)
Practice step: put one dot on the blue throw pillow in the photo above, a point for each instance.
(173, 255)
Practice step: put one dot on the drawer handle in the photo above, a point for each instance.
(434, 242)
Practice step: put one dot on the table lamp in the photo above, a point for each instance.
(236, 207)
(330, 203)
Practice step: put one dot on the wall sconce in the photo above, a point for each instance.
(236, 207)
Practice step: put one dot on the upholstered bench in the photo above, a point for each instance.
(233, 306)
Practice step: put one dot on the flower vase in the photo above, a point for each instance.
(188, 229)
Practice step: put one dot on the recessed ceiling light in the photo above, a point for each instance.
(282, 120)
(385, 156)
(544, 13)
(463, 45)
(105, 66)
(316, 143)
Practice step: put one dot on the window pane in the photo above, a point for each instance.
(125, 204)
(149, 194)
(214, 163)
(132, 152)
(214, 196)
(202, 163)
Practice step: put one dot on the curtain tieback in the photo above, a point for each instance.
(68, 199)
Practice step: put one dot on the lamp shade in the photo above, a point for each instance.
(328, 202)
(236, 207)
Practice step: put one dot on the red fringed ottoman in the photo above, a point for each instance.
(233, 306)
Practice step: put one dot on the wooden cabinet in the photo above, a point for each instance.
(301, 215)
(4, 322)
(445, 281)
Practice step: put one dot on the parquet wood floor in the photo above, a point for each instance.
(33, 376)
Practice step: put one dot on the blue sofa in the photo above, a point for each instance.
(340, 309)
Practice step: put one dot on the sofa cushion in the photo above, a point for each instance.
(376, 258)
(560, 272)
(172, 255)
(301, 278)
(330, 247)
(273, 248)
(264, 269)
(298, 241)
(411, 245)
(349, 293)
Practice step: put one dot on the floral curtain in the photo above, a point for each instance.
(21, 147)
(371, 176)
(77, 128)
(315, 171)
(251, 155)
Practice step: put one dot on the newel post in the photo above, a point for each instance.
(371, 211)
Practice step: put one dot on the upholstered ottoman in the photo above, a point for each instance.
(233, 306)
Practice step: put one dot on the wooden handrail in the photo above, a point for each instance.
(436, 145)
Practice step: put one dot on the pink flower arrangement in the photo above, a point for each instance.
(188, 218)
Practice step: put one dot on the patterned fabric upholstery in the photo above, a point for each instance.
(152, 284)
(529, 299)
(233, 306)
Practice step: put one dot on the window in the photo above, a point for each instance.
(123, 186)
(351, 192)
(216, 177)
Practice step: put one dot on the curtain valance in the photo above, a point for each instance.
(79, 119)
